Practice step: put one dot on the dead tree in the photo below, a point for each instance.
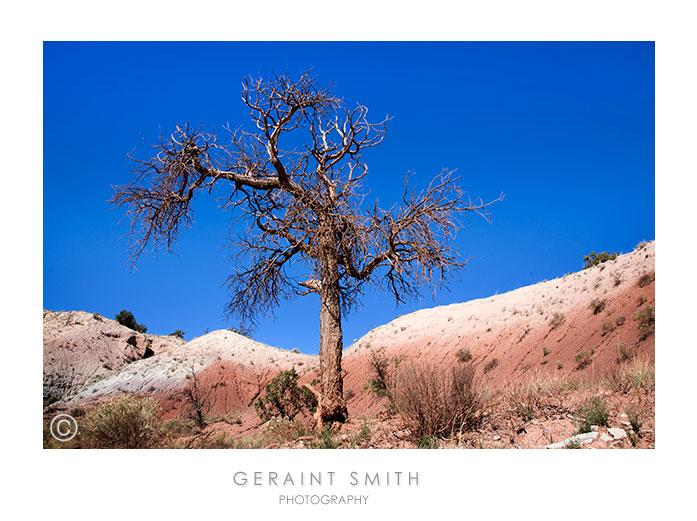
(199, 399)
(295, 179)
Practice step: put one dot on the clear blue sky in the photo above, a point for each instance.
(565, 130)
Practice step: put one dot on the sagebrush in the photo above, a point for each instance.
(435, 401)
(124, 423)
(283, 398)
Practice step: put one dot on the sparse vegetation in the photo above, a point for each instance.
(491, 364)
(178, 333)
(597, 305)
(283, 398)
(525, 399)
(326, 440)
(636, 419)
(638, 374)
(623, 353)
(428, 442)
(199, 399)
(594, 259)
(280, 430)
(380, 384)
(619, 321)
(437, 402)
(607, 326)
(124, 423)
(583, 358)
(557, 320)
(646, 318)
(463, 355)
(126, 318)
(364, 433)
(640, 246)
(592, 412)
(646, 279)
(241, 329)
(545, 351)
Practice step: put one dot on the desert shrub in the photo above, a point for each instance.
(383, 367)
(583, 358)
(326, 440)
(97, 316)
(178, 333)
(619, 321)
(428, 442)
(126, 318)
(295, 350)
(524, 398)
(435, 401)
(198, 399)
(646, 279)
(283, 430)
(594, 259)
(283, 397)
(638, 374)
(364, 434)
(597, 305)
(623, 353)
(557, 320)
(640, 246)
(636, 418)
(607, 325)
(490, 365)
(592, 412)
(646, 318)
(124, 423)
(463, 355)
(241, 329)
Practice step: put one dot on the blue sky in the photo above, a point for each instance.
(565, 130)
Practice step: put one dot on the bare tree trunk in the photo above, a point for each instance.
(333, 406)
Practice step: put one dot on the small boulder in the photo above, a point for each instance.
(617, 433)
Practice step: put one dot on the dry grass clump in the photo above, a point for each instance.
(623, 353)
(638, 374)
(583, 358)
(463, 355)
(597, 305)
(646, 279)
(436, 401)
(557, 320)
(124, 423)
(524, 398)
(592, 412)
(283, 430)
(490, 365)
(646, 318)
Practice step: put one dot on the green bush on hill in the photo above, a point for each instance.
(126, 318)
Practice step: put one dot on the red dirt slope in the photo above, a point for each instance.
(570, 326)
